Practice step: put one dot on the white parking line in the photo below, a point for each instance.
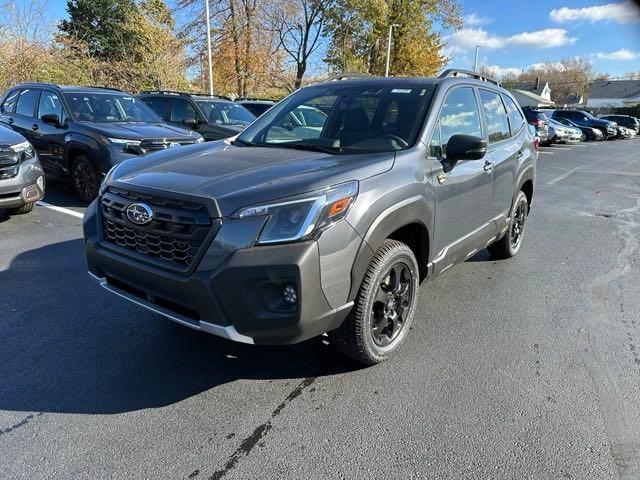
(60, 209)
(546, 153)
(563, 176)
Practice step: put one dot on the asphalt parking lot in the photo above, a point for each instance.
(521, 369)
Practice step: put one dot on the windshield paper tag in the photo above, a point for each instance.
(401, 90)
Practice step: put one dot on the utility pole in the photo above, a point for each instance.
(206, 9)
(386, 68)
(475, 63)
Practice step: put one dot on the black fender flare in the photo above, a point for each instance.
(527, 174)
(414, 210)
(80, 144)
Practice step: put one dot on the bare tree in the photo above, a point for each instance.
(298, 26)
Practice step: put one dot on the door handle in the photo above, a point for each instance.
(10, 121)
(34, 126)
(488, 166)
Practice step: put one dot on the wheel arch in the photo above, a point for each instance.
(406, 222)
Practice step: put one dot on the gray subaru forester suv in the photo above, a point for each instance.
(293, 230)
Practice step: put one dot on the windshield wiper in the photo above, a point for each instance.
(312, 147)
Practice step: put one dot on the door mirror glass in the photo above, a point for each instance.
(51, 119)
(191, 121)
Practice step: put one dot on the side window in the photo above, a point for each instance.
(159, 105)
(459, 115)
(513, 112)
(182, 111)
(9, 104)
(50, 104)
(27, 102)
(496, 115)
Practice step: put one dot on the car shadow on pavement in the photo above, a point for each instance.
(59, 192)
(68, 346)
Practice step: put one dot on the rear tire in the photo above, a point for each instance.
(85, 179)
(26, 208)
(384, 307)
(509, 245)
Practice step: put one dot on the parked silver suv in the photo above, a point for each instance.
(21, 176)
(293, 230)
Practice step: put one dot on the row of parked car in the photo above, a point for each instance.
(81, 132)
(572, 126)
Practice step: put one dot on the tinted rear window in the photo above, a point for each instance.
(9, 104)
(27, 102)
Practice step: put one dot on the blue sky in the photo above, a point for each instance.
(519, 33)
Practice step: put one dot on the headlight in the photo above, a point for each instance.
(200, 139)
(25, 149)
(298, 218)
(106, 180)
(124, 142)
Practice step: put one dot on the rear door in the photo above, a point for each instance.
(25, 111)
(504, 153)
(463, 210)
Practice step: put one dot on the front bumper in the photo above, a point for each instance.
(236, 290)
(23, 188)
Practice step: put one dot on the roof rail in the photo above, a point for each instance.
(456, 72)
(254, 99)
(346, 76)
(182, 94)
(102, 87)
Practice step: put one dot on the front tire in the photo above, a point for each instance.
(384, 307)
(509, 245)
(85, 179)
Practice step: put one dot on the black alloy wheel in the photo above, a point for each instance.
(391, 305)
(85, 179)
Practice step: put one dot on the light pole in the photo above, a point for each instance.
(386, 68)
(475, 63)
(206, 10)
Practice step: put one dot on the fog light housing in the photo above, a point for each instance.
(290, 295)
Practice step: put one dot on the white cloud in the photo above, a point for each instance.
(622, 12)
(548, 38)
(475, 20)
(498, 71)
(468, 38)
(622, 54)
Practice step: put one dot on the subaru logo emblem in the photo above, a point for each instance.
(139, 213)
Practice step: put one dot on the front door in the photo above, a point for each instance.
(463, 221)
(48, 140)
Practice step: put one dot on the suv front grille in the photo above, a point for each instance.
(176, 234)
(160, 144)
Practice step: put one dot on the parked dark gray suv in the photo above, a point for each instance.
(291, 231)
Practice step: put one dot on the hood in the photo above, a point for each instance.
(240, 176)
(9, 137)
(141, 131)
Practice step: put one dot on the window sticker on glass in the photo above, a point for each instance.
(401, 90)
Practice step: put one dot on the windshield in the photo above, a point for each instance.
(225, 113)
(345, 119)
(109, 108)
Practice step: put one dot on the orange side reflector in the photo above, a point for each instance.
(338, 206)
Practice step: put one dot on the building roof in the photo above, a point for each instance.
(533, 96)
(615, 89)
(530, 86)
(572, 99)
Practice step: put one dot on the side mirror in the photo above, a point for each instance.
(463, 147)
(191, 122)
(51, 119)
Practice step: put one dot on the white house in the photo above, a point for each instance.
(532, 94)
(614, 93)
